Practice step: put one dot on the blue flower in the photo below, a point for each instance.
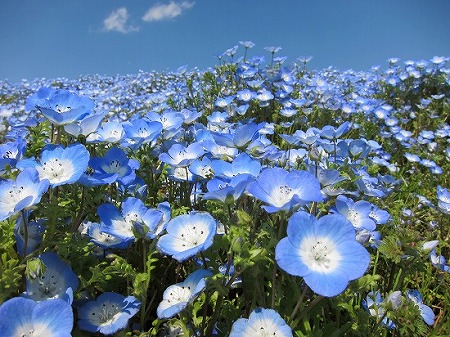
(181, 156)
(177, 296)
(60, 165)
(227, 191)
(102, 239)
(19, 194)
(109, 313)
(39, 98)
(358, 213)
(261, 323)
(24, 317)
(141, 131)
(11, 152)
(64, 107)
(284, 190)
(374, 304)
(242, 164)
(86, 125)
(324, 252)
(239, 138)
(114, 166)
(54, 282)
(111, 132)
(187, 235)
(443, 196)
(425, 311)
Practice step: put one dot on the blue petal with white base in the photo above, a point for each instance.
(21, 317)
(177, 296)
(324, 252)
(187, 235)
(261, 323)
(109, 313)
(19, 194)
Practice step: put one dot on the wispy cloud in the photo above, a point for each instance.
(117, 21)
(166, 11)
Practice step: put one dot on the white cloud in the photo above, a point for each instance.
(166, 11)
(117, 21)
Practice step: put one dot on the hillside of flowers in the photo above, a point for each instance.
(255, 198)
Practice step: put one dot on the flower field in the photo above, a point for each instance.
(255, 198)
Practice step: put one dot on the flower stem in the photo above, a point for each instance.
(299, 302)
(25, 233)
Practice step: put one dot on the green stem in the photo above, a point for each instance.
(311, 305)
(299, 302)
(25, 233)
(275, 267)
(218, 305)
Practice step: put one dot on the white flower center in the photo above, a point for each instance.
(49, 285)
(179, 294)
(56, 170)
(193, 236)
(263, 328)
(281, 195)
(9, 199)
(30, 329)
(105, 314)
(115, 167)
(319, 254)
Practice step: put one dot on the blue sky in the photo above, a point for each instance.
(59, 38)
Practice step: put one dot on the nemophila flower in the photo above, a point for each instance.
(324, 252)
(12, 152)
(300, 137)
(141, 131)
(374, 304)
(166, 212)
(170, 120)
(378, 215)
(187, 235)
(202, 168)
(220, 151)
(177, 296)
(227, 191)
(189, 116)
(261, 323)
(369, 238)
(368, 186)
(86, 125)
(439, 261)
(358, 213)
(54, 282)
(240, 137)
(284, 190)
(264, 97)
(109, 313)
(113, 166)
(102, 239)
(242, 164)
(181, 156)
(35, 233)
(332, 133)
(425, 311)
(443, 196)
(23, 317)
(19, 194)
(246, 95)
(38, 98)
(60, 165)
(134, 216)
(110, 132)
(64, 107)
